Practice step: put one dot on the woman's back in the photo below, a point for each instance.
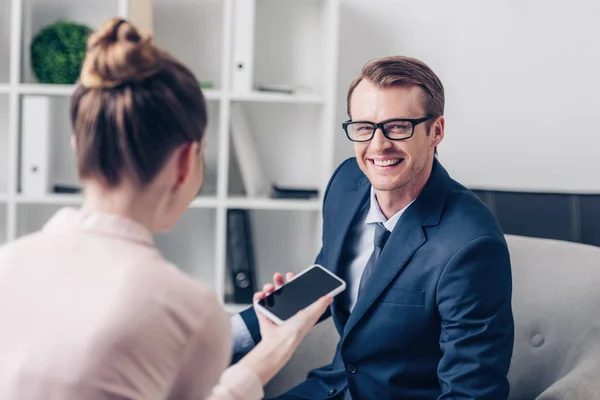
(90, 309)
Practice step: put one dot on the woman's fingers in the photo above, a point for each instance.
(305, 319)
(278, 280)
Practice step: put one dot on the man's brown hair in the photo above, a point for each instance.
(399, 70)
(134, 104)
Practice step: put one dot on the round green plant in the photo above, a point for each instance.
(58, 51)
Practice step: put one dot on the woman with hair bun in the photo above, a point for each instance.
(90, 309)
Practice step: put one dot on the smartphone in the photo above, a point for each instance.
(300, 292)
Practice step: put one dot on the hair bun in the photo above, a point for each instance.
(117, 53)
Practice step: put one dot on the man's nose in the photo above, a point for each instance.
(379, 140)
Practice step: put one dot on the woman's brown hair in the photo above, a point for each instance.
(133, 105)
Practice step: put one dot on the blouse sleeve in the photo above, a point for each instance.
(238, 383)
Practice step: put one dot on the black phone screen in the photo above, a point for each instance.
(299, 293)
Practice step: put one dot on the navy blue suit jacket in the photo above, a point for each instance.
(435, 320)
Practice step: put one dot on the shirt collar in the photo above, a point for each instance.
(375, 215)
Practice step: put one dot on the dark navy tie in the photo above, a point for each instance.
(381, 236)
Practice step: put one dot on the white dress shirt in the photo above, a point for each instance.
(361, 236)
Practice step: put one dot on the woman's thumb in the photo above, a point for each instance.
(315, 310)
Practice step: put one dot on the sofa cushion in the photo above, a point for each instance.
(556, 306)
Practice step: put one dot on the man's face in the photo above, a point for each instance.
(391, 165)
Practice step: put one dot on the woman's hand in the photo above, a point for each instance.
(280, 342)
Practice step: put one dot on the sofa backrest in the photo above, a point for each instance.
(556, 307)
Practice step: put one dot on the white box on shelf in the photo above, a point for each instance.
(36, 145)
(243, 46)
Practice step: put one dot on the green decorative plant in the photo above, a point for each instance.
(58, 51)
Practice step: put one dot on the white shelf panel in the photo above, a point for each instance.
(270, 97)
(274, 204)
(205, 202)
(200, 202)
(4, 88)
(46, 89)
(51, 199)
(212, 94)
(3, 198)
(67, 90)
(70, 199)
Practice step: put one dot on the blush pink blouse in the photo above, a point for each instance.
(90, 310)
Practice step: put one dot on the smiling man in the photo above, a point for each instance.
(427, 313)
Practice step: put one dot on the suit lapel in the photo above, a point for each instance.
(406, 238)
(404, 241)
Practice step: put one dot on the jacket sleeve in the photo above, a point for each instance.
(251, 321)
(477, 329)
(248, 315)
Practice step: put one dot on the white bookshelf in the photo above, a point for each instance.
(294, 43)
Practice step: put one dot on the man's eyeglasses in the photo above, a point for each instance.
(393, 129)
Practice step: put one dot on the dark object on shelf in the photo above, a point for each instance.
(293, 193)
(240, 256)
(66, 189)
(276, 89)
(58, 51)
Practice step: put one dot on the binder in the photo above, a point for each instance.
(240, 256)
(243, 46)
(36, 146)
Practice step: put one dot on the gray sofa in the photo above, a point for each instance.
(556, 304)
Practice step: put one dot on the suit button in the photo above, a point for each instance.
(332, 392)
(351, 369)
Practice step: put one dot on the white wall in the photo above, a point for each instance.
(521, 79)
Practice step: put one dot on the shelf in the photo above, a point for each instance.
(204, 202)
(285, 232)
(273, 204)
(46, 89)
(71, 199)
(67, 90)
(51, 199)
(270, 97)
(200, 202)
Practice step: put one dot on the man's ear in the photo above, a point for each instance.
(184, 161)
(437, 130)
(73, 143)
